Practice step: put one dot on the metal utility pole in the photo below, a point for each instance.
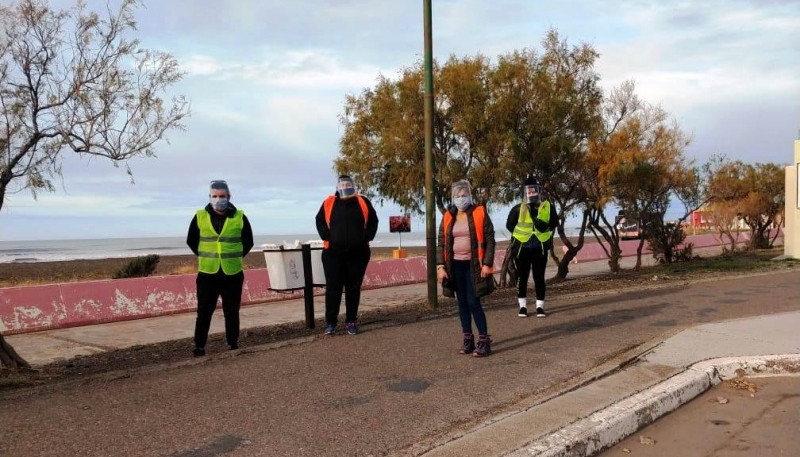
(430, 208)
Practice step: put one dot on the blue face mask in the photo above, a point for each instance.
(462, 203)
(219, 204)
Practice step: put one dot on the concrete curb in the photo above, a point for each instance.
(610, 425)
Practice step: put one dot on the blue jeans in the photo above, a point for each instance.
(469, 305)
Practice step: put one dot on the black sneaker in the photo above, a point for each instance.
(540, 312)
(523, 312)
(233, 347)
(469, 344)
(198, 352)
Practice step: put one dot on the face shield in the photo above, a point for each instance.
(533, 194)
(462, 195)
(345, 187)
(219, 195)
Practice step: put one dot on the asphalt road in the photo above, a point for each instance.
(389, 391)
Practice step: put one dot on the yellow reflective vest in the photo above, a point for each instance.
(220, 249)
(525, 229)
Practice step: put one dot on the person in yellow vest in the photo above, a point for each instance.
(220, 236)
(464, 264)
(346, 222)
(532, 224)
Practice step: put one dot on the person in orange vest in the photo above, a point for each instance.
(346, 222)
(464, 264)
(220, 236)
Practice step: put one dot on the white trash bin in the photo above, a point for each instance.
(285, 266)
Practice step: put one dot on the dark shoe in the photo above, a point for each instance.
(540, 312)
(233, 347)
(484, 346)
(330, 329)
(523, 312)
(469, 344)
(352, 328)
(198, 352)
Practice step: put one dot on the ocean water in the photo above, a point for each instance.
(57, 250)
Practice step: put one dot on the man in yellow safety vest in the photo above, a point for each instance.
(220, 236)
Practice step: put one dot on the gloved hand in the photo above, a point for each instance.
(541, 225)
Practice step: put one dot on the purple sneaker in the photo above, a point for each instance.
(484, 346)
(469, 344)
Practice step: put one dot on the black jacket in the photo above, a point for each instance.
(513, 218)
(193, 236)
(347, 230)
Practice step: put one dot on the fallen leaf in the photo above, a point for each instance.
(626, 450)
(722, 400)
(742, 384)
(646, 440)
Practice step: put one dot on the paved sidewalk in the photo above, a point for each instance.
(603, 412)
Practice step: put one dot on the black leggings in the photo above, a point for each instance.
(531, 259)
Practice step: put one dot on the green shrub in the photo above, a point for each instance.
(138, 267)
(664, 240)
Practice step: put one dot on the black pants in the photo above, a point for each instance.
(531, 259)
(344, 272)
(209, 288)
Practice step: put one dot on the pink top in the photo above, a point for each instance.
(462, 247)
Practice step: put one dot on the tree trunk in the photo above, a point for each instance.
(732, 240)
(639, 249)
(508, 273)
(9, 357)
(563, 264)
(613, 260)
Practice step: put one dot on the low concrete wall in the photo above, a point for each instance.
(43, 307)
(595, 251)
(34, 308)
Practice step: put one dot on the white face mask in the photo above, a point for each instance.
(219, 204)
(463, 202)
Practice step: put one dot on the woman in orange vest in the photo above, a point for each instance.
(464, 259)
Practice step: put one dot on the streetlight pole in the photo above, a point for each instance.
(430, 220)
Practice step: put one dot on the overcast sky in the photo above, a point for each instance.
(267, 81)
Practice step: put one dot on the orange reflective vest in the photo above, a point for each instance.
(478, 215)
(327, 207)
